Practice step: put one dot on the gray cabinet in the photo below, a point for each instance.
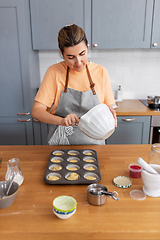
(131, 130)
(121, 23)
(49, 16)
(40, 132)
(155, 41)
(19, 74)
(109, 24)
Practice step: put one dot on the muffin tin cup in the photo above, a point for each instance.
(67, 156)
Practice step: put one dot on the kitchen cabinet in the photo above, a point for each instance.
(40, 132)
(122, 23)
(155, 41)
(48, 17)
(131, 130)
(19, 75)
(109, 24)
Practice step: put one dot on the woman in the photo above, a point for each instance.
(71, 88)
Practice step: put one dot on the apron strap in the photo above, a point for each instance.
(92, 84)
(67, 77)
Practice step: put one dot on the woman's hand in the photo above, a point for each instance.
(113, 113)
(70, 120)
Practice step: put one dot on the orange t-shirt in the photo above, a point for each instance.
(54, 81)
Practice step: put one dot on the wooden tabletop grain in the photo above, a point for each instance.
(31, 215)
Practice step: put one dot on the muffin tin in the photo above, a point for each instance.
(80, 162)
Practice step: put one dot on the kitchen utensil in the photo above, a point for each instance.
(64, 162)
(13, 168)
(9, 187)
(64, 206)
(98, 123)
(137, 194)
(62, 215)
(96, 194)
(8, 200)
(151, 181)
(154, 155)
(153, 102)
(146, 166)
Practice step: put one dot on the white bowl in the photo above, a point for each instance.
(151, 182)
(98, 123)
(64, 204)
(63, 215)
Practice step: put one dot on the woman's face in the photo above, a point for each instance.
(76, 57)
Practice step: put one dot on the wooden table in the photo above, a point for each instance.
(134, 108)
(31, 216)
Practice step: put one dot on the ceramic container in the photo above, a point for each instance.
(64, 206)
(98, 123)
(8, 200)
(63, 215)
(151, 181)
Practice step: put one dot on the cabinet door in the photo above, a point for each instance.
(40, 132)
(131, 130)
(15, 74)
(121, 23)
(48, 17)
(13, 132)
(155, 42)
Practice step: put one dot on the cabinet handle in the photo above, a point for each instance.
(128, 119)
(154, 44)
(23, 113)
(24, 120)
(95, 45)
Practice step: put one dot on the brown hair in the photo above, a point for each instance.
(70, 36)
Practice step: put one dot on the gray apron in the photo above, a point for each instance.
(73, 101)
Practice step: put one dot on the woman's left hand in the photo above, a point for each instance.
(113, 113)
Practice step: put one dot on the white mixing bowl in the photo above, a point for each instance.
(98, 123)
(151, 182)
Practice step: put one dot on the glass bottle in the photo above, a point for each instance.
(13, 167)
(154, 155)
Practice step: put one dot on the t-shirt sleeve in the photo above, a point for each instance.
(108, 93)
(48, 88)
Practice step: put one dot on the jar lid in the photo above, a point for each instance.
(137, 195)
(122, 182)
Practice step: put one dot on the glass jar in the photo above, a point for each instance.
(13, 167)
(154, 155)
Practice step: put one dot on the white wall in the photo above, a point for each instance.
(137, 71)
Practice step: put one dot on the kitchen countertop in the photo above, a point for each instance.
(31, 216)
(134, 108)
